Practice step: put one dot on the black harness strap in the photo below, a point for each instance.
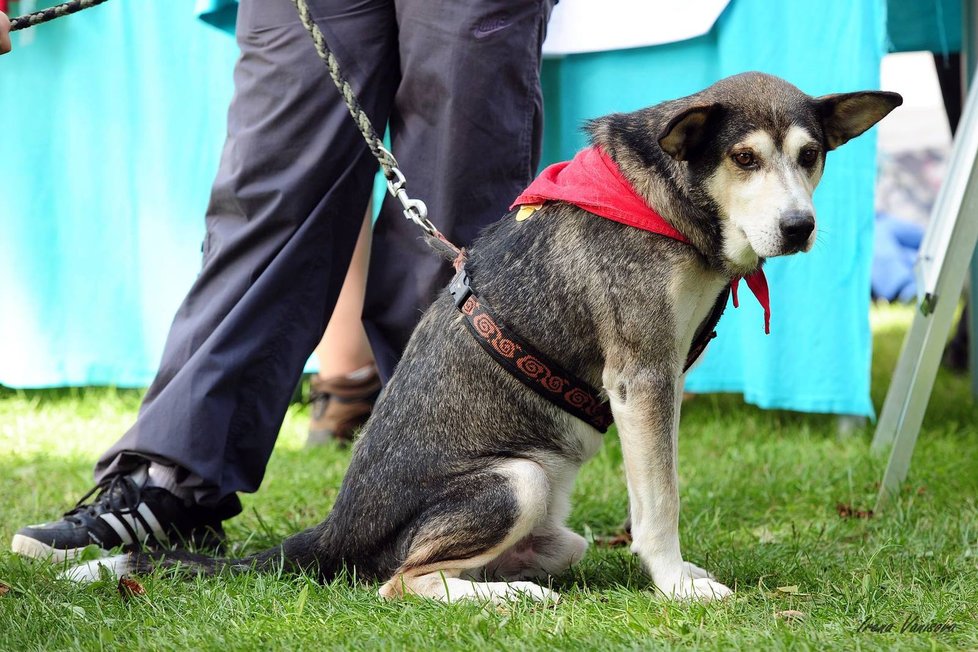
(538, 371)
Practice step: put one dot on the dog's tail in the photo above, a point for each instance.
(302, 552)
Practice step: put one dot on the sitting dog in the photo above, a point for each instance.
(460, 483)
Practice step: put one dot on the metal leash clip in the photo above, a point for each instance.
(414, 209)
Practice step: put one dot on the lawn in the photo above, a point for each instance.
(771, 504)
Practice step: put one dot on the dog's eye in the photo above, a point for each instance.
(745, 160)
(808, 157)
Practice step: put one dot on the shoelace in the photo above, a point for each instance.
(119, 486)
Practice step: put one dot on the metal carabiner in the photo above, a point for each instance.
(414, 209)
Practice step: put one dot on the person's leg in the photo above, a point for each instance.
(342, 394)
(284, 215)
(345, 347)
(466, 130)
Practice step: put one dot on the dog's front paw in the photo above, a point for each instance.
(694, 571)
(704, 589)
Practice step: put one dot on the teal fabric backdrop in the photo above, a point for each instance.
(108, 160)
(113, 120)
(933, 25)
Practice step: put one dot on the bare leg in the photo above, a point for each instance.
(344, 347)
(344, 391)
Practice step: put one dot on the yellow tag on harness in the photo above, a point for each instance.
(526, 210)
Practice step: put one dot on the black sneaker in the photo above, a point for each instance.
(129, 516)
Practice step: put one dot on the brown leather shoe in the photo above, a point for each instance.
(341, 405)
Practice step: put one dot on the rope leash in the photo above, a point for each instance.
(376, 145)
(414, 209)
(57, 11)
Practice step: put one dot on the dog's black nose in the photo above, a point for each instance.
(796, 226)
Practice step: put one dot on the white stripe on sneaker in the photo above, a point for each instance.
(136, 526)
(119, 527)
(154, 524)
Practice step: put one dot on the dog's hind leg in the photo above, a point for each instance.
(549, 550)
(473, 521)
(443, 586)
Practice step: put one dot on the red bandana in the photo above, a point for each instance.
(593, 182)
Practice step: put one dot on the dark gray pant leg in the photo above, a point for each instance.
(285, 211)
(466, 129)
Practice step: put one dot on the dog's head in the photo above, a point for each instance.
(753, 146)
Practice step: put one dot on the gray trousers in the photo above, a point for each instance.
(458, 81)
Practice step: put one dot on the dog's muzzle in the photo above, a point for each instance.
(796, 227)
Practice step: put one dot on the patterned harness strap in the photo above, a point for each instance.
(525, 362)
(538, 371)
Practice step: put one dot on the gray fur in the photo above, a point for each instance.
(464, 472)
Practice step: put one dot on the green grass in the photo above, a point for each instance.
(760, 492)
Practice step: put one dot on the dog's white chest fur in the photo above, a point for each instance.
(694, 290)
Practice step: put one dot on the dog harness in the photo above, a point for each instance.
(593, 182)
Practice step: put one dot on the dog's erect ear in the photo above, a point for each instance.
(687, 130)
(846, 115)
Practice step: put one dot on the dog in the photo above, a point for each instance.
(459, 485)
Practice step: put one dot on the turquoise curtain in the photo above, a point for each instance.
(219, 13)
(115, 118)
(818, 356)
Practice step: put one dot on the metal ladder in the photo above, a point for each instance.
(945, 258)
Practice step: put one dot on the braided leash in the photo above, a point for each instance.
(366, 127)
(414, 209)
(57, 11)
